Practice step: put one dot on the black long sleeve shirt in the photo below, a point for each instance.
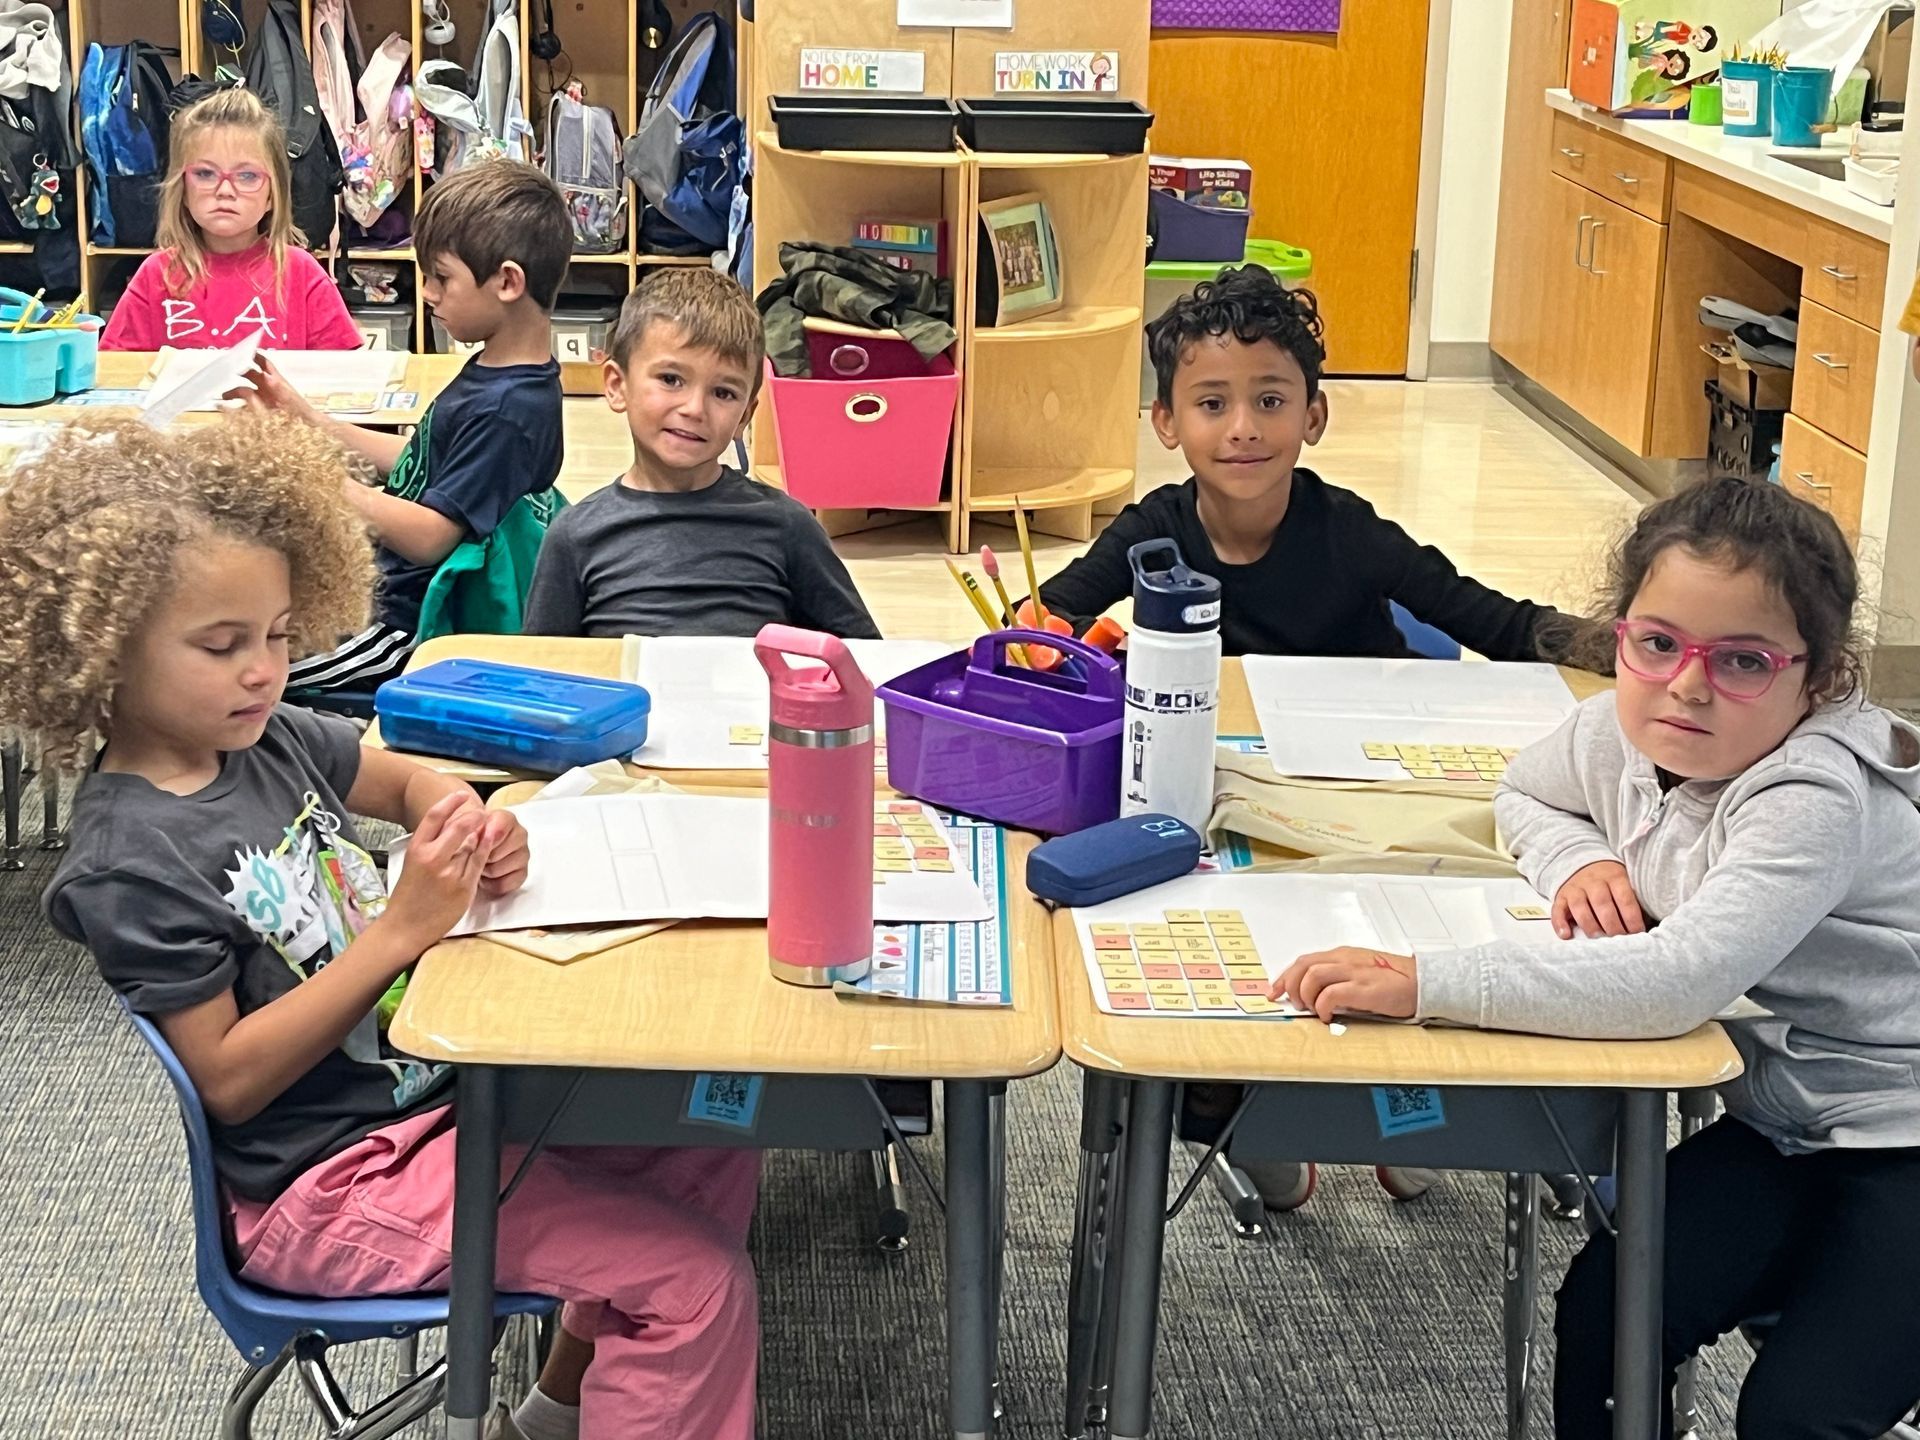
(1323, 586)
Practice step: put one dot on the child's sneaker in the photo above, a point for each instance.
(1403, 1183)
(1283, 1184)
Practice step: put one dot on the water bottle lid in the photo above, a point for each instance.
(835, 695)
(1169, 597)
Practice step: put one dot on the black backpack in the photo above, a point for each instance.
(123, 120)
(279, 72)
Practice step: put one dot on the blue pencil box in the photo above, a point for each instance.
(512, 716)
(1104, 862)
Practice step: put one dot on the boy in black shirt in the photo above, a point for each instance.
(682, 544)
(495, 240)
(1305, 568)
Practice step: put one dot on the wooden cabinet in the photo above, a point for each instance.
(1623, 172)
(1846, 272)
(1599, 298)
(1529, 199)
(1834, 373)
(1817, 467)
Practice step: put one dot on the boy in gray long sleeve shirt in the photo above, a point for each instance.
(1730, 822)
(680, 544)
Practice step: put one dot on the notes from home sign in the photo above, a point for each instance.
(1317, 16)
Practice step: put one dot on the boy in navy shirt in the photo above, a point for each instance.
(495, 241)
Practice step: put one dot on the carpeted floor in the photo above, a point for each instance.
(1359, 1319)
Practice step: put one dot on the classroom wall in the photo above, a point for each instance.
(1469, 192)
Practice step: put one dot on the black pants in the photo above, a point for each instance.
(1830, 1242)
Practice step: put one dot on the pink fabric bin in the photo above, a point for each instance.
(865, 444)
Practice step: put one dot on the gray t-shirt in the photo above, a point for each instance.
(250, 884)
(725, 560)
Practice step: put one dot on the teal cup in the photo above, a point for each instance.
(1746, 98)
(1800, 98)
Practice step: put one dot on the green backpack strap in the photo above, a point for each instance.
(481, 588)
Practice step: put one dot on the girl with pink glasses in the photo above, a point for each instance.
(230, 261)
(1733, 820)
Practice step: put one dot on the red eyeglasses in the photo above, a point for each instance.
(1737, 669)
(245, 181)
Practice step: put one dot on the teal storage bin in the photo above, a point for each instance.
(29, 366)
(1800, 97)
(1746, 98)
(76, 351)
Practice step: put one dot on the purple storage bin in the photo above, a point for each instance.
(975, 733)
(1185, 231)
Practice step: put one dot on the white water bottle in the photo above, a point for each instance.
(1173, 687)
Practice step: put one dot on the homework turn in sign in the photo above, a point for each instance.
(1056, 72)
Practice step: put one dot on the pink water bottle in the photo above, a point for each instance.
(820, 794)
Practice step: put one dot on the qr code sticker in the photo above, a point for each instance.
(731, 1102)
(1408, 1109)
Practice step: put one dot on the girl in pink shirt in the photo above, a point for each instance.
(229, 261)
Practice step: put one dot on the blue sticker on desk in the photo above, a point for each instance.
(731, 1102)
(1408, 1109)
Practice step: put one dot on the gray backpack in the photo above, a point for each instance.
(583, 159)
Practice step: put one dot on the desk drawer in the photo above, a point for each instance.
(1817, 467)
(1833, 375)
(1618, 169)
(1846, 272)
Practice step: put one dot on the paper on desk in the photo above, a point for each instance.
(1317, 715)
(710, 706)
(334, 380)
(917, 873)
(196, 379)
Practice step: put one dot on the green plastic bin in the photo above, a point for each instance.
(1168, 280)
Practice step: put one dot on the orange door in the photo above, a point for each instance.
(1331, 126)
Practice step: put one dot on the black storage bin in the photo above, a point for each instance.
(1742, 438)
(862, 122)
(1081, 126)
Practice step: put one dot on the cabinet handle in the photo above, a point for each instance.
(1626, 179)
(1580, 240)
(1805, 477)
(1573, 154)
(1845, 277)
(1831, 363)
(1593, 249)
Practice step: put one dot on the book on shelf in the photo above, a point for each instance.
(1211, 184)
(904, 244)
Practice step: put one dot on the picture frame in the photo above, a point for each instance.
(1020, 276)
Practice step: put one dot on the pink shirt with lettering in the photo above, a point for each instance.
(236, 297)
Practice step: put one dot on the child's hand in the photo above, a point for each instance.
(445, 861)
(271, 392)
(1351, 979)
(1599, 900)
(504, 841)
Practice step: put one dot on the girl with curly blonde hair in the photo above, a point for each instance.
(229, 261)
(154, 587)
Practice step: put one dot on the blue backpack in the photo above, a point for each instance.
(687, 156)
(123, 130)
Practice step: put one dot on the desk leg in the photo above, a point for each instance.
(1101, 1111)
(1142, 1239)
(1522, 1285)
(997, 1191)
(971, 1210)
(476, 1218)
(11, 782)
(1640, 1218)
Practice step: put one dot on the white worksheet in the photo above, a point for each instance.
(1211, 946)
(710, 697)
(334, 380)
(1319, 716)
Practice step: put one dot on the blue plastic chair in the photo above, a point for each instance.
(270, 1329)
(1425, 641)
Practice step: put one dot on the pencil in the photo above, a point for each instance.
(971, 589)
(27, 309)
(1026, 554)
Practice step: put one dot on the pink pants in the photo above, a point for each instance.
(648, 1247)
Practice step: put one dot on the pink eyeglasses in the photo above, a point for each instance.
(209, 177)
(1737, 669)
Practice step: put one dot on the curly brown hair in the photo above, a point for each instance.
(1796, 546)
(90, 534)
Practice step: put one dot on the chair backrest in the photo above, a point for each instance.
(256, 1339)
(1423, 639)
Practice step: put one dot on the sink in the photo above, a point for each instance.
(1828, 167)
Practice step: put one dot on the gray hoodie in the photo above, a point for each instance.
(1796, 883)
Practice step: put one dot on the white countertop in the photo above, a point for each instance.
(1753, 163)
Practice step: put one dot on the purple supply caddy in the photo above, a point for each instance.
(974, 733)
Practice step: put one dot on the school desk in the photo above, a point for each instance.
(1522, 1104)
(605, 1050)
(426, 377)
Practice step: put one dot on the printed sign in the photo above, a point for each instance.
(1056, 72)
(729, 1102)
(1408, 1109)
(964, 14)
(903, 72)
